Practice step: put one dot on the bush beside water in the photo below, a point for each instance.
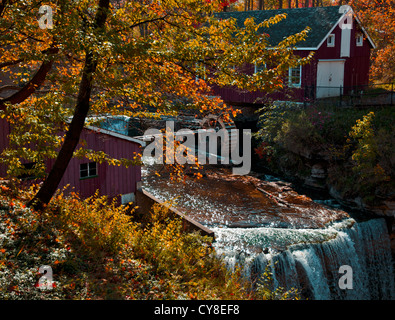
(98, 251)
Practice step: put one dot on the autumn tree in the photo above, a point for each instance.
(120, 57)
(378, 18)
(278, 4)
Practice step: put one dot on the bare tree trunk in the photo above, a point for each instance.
(289, 4)
(76, 126)
(280, 4)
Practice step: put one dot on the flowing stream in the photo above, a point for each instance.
(302, 243)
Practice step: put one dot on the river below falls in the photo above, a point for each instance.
(264, 224)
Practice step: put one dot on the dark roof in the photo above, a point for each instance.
(320, 19)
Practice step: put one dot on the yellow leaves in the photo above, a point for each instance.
(146, 59)
(363, 128)
(101, 156)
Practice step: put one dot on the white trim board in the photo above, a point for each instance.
(114, 134)
(337, 23)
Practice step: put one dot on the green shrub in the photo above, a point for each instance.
(366, 156)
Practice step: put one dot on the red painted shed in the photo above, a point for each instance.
(341, 49)
(88, 176)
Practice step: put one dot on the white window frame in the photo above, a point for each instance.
(90, 170)
(359, 40)
(330, 42)
(259, 67)
(290, 77)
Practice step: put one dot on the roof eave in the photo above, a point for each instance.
(365, 32)
(338, 22)
(114, 134)
(306, 48)
(333, 28)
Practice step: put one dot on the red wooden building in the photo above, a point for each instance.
(341, 49)
(88, 176)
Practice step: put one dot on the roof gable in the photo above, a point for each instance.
(321, 20)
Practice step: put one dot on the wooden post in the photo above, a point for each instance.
(341, 96)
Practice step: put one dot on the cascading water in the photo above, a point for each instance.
(312, 266)
(303, 244)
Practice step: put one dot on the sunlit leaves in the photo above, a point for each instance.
(100, 157)
(32, 139)
(154, 57)
(377, 17)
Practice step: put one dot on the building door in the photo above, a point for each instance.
(330, 78)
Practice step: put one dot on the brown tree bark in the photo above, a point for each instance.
(76, 126)
(27, 90)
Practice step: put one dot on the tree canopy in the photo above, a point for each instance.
(119, 57)
(378, 18)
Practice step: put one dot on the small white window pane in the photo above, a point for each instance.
(295, 76)
(331, 40)
(359, 40)
(92, 169)
(259, 67)
(88, 170)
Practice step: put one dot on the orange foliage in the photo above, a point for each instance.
(378, 18)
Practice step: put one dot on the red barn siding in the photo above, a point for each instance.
(356, 71)
(359, 63)
(111, 180)
(4, 132)
(356, 67)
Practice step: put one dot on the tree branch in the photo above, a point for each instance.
(3, 4)
(37, 80)
(9, 87)
(10, 63)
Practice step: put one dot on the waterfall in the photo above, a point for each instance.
(312, 266)
(345, 259)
